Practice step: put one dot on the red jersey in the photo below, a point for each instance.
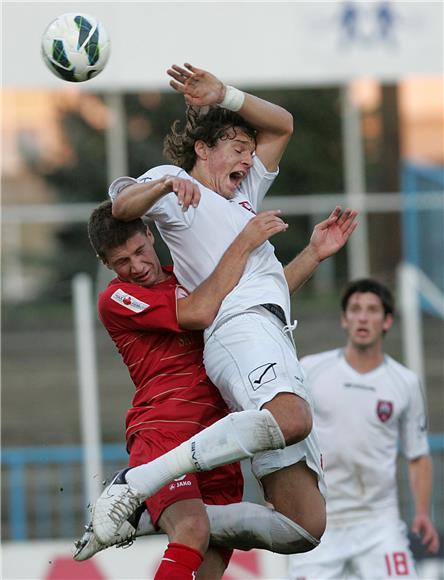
(165, 362)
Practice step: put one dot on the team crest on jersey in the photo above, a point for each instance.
(129, 301)
(384, 410)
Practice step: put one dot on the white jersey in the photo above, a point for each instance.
(360, 419)
(198, 238)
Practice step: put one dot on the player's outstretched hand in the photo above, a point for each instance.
(423, 527)
(198, 86)
(330, 235)
(261, 228)
(188, 193)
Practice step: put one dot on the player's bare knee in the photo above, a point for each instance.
(301, 426)
(316, 528)
(313, 521)
(293, 415)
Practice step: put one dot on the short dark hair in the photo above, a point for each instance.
(369, 285)
(105, 232)
(207, 124)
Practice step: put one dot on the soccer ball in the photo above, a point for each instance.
(75, 47)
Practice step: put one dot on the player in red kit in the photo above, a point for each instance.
(153, 322)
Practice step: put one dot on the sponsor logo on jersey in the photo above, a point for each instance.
(262, 375)
(246, 205)
(187, 339)
(129, 301)
(384, 410)
(359, 386)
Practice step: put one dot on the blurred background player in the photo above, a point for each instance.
(137, 328)
(228, 161)
(147, 315)
(365, 404)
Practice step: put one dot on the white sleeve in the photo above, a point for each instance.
(167, 210)
(118, 184)
(413, 427)
(257, 183)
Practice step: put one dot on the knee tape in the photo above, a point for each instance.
(245, 526)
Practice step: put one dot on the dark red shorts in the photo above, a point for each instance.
(220, 486)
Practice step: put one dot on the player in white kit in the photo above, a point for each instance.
(365, 404)
(225, 164)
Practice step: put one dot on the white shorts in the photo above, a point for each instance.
(373, 550)
(251, 360)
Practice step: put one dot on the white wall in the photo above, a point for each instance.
(245, 43)
(53, 561)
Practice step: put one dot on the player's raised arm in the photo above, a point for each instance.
(328, 237)
(135, 200)
(273, 123)
(199, 309)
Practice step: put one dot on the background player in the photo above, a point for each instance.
(365, 403)
(146, 312)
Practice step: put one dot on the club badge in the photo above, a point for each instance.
(384, 410)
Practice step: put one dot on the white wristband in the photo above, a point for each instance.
(233, 100)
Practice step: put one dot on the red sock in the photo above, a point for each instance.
(179, 562)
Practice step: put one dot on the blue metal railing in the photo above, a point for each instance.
(41, 486)
(44, 488)
(422, 227)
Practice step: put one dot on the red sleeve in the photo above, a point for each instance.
(126, 306)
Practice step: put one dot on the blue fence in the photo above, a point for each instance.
(42, 488)
(423, 224)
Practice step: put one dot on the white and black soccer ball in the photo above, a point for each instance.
(75, 47)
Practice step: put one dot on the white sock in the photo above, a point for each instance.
(235, 437)
(244, 526)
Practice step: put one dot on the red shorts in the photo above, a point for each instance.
(221, 486)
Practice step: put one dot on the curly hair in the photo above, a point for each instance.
(207, 124)
(105, 232)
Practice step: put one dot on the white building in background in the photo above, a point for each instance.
(288, 44)
(270, 43)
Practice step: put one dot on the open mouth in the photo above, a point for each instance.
(236, 177)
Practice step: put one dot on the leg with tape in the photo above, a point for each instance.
(235, 437)
(246, 525)
(240, 526)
